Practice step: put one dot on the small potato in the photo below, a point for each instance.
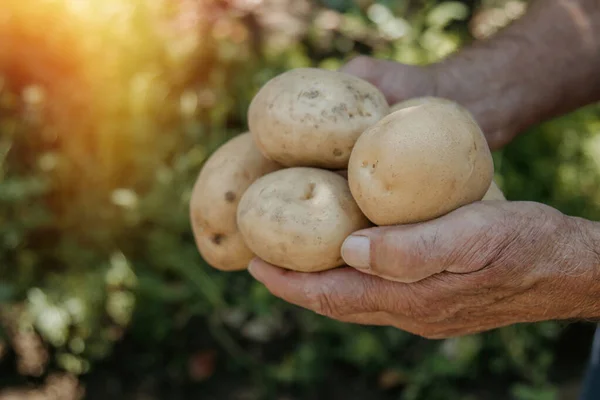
(419, 163)
(417, 101)
(298, 218)
(311, 117)
(494, 193)
(221, 183)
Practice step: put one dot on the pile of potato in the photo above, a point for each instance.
(279, 191)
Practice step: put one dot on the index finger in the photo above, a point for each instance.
(335, 293)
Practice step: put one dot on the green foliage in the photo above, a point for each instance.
(95, 237)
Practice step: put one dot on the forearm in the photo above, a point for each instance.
(581, 269)
(543, 65)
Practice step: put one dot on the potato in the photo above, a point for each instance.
(417, 101)
(493, 193)
(298, 218)
(309, 117)
(224, 178)
(342, 172)
(419, 163)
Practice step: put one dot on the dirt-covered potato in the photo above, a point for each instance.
(224, 178)
(312, 117)
(419, 163)
(298, 218)
(493, 193)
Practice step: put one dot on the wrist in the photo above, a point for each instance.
(582, 268)
(398, 82)
(493, 100)
(530, 72)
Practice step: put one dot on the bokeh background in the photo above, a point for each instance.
(108, 109)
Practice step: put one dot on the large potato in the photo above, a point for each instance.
(312, 117)
(419, 163)
(298, 218)
(221, 183)
(493, 193)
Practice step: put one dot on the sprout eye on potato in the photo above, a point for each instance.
(224, 178)
(419, 163)
(312, 117)
(298, 218)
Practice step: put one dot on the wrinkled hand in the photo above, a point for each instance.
(483, 266)
(399, 82)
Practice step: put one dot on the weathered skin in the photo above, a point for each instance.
(312, 117)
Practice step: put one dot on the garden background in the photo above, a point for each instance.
(108, 110)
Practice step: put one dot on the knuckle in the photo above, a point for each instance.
(324, 303)
(372, 296)
(432, 301)
(327, 306)
(418, 309)
(480, 245)
(406, 255)
(414, 254)
(335, 299)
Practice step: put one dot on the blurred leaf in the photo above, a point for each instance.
(445, 13)
(521, 392)
(6, 293)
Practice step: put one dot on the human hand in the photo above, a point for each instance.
(483, 266)
(399, 82)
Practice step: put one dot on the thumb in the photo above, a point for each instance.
(460, 242)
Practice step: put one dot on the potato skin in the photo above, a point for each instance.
(224, 178)
(312, 117)
(417, 101)
(420, 163)
(493, 193)
(298, 218)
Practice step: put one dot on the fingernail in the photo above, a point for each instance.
(356, 251)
